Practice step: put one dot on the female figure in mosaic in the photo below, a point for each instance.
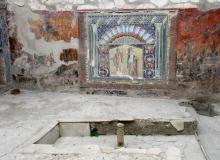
(132, 62)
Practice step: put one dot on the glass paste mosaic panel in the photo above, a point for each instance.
(127, 46)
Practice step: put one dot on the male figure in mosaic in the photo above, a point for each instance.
(118, 61)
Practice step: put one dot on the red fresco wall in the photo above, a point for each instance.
(198, 44)
(55, 26)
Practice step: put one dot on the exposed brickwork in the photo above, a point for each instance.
(172, 52)
(15, 48)
(83, 48)
(69, 55)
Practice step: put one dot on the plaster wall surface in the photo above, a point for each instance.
(63, 5)
(42, 45)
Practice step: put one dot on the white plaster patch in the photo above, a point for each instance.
(195, 1)
(146, 5)
(86, 7)
(119, 3)
(51, 2)
(60, 7)
(182, 5)
(129, 6)
(17, 2)
(77, 1)
(106, 4)
(179, 1)
(35, 5)
(179, 125)
(132, 1)
(154, 151)
(4, 107)
(212, 1)
(173, 153)
(184, 1)
(159, 3)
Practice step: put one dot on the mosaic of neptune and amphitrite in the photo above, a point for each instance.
(127, 46)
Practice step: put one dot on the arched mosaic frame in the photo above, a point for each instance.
(147, 31)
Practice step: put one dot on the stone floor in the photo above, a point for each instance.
(4, 88)
(25, 115)
(104, 147)
(209, 135)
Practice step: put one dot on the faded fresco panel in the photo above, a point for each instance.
(55, 26)
(44, 47)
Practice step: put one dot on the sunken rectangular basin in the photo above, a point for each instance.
(132, 127)
(144, 139)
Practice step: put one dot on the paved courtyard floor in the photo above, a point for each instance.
(25, 115)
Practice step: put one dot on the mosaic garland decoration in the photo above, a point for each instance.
(127, 46)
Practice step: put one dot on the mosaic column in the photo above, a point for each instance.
(94, 62)
(158, 62)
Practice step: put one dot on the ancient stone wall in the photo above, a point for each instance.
(49, 44)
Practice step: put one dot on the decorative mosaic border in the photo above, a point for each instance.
(160, 86)
(154, 62)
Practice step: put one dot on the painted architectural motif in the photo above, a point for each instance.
(127, 46)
